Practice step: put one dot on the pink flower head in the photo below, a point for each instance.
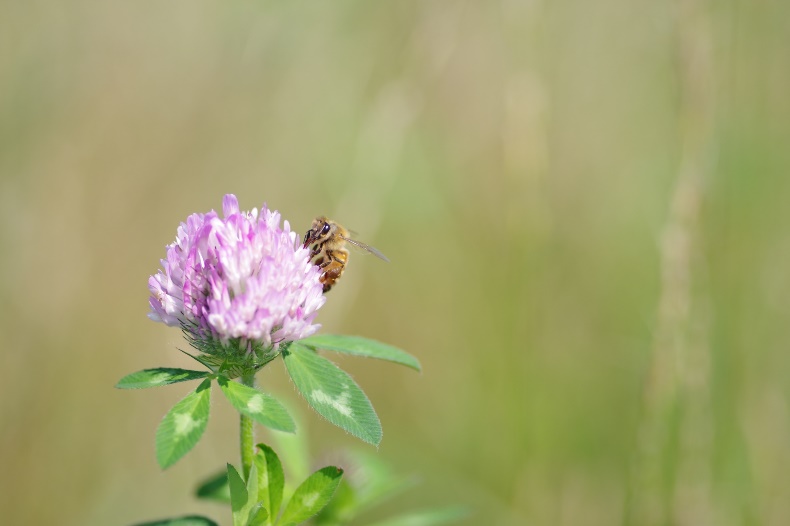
(240, 277)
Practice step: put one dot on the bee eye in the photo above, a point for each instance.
(325, 230)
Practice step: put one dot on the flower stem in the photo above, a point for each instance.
(247, 434)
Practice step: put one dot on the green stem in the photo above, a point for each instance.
(247, 434)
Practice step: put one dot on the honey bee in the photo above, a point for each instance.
(327, 241)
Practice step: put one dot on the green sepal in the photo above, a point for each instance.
(261, 407)
(332, 393)
(199, 360)
(183, 426)
(311, 496)
(158, 377)
(359, 346)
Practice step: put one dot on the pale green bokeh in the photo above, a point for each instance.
(515, 161)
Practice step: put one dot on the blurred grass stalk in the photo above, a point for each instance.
(672, 483)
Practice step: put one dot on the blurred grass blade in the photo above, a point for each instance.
(215, 488)
(157, 377)
(311, 496)
(294, 451)
(261, 407)
(271, 479)
(341, 509)
(332, 393)
(183, 426)
(189, 520)
(359, 346)
(426, 518)
(380, 482)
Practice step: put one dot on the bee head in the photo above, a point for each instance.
(320, 229)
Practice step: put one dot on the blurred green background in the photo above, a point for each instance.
(586, 205)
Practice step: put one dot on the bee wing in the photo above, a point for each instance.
(367, 248)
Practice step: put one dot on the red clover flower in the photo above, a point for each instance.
(238, 286)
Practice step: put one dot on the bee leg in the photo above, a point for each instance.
(332, 262)
(333, 271)
(322, 261)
